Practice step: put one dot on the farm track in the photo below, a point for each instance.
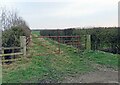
(47, 47)
(94, 77)
(101, 75)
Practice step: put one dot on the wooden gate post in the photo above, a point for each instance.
(58, 36)
(0, 45)
(23, 44)
(3, 57)
(88, 42)
(78, 44)
(0, 53)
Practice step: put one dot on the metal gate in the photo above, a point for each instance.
(68, 40)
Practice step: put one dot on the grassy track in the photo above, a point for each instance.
(55, 67)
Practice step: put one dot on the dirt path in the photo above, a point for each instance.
(102, 75)
(94, 77)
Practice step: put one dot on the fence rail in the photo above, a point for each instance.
(58, 36)
(11, 54)
(14, 55)
(3, 55)
(8, 48)
(10, 60)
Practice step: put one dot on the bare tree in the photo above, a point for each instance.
(10, 18)
(3, 18)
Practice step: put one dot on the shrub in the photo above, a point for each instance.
(11, 37)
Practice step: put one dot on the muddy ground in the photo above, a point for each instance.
(101, 75)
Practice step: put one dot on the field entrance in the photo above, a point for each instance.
(48, 42)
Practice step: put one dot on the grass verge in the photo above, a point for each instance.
(54, 67)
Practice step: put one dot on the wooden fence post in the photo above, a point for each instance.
(3, 57)
(0, 53)
(0, 45)
(88, 42)
(23, 44)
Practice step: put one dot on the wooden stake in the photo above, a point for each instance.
(88, 42)
(23, 44)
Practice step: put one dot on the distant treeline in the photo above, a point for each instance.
(102, 38)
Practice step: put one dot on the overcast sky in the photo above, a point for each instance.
(65, 13)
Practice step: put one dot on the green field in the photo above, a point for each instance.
(55, 67)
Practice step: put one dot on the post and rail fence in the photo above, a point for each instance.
(24, 41)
